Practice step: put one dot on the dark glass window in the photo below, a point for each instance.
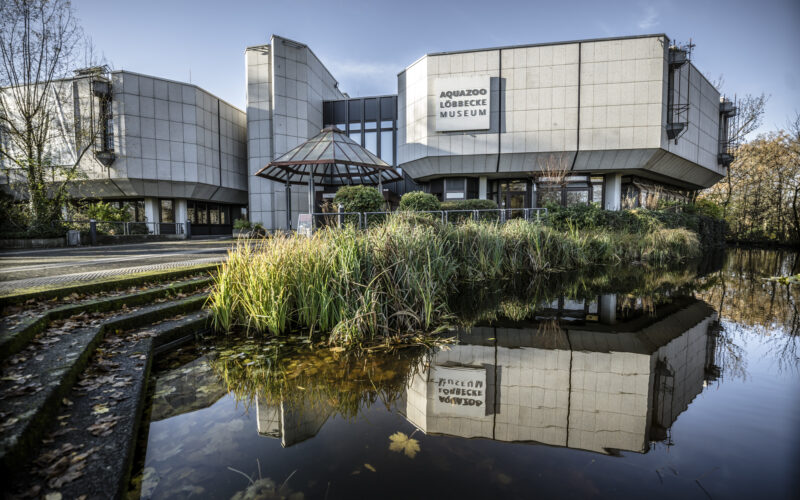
(167, 211)
(223, 214)
(370, 109)
(213, 214)
(354, 110)
(202, 215)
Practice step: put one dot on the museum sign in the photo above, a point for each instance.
(462, 103)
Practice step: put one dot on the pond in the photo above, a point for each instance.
(661, 384)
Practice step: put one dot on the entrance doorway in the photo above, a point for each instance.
(513, 195)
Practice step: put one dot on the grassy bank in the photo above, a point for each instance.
(396, 278)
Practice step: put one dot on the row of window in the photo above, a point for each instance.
(214, 213)
(370, 122)
(519, 193)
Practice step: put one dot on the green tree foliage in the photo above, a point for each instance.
(760, 198)
(419, 201)
(359, 199)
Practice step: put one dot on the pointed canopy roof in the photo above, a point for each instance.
(333, 158)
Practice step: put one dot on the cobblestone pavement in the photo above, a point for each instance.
(33, 268)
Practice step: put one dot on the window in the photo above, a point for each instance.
(213, 214)
(223, 214)
(454, 188)
(575, 197)
(167, 211)
(371, 142)
(387, 147)
(597, 193)
(190, 213)
(546, 196)
(202, 215)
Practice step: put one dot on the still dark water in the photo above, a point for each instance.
(630, 384)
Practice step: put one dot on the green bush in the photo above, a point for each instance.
(705, 207)
(711, 231)
(242, 224)
(419, 201)
(359, 199)
(102, 211)
(469, 205)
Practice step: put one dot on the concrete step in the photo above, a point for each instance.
(15, 336)
(101, 417)
(34, 382)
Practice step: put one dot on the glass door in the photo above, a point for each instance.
(513, 197)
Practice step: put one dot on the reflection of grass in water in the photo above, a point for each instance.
(303, 377)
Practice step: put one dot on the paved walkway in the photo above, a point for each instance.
(33, 268)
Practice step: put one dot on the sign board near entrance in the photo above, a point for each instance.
(462, 103)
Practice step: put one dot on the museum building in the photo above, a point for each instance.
(616, 121)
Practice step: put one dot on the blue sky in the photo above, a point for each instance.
(755, 45)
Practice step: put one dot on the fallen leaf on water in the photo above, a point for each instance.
(368, 466)
(402, 443)
(100, 409)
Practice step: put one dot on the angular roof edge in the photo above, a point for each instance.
(178, 82)
(525, 45)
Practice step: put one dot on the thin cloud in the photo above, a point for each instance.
(362, 78)
(649, 20)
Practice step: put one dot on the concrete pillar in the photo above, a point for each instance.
(612, 187)
(152, 213)
(608, 309)
(534, 197)
(482, 182)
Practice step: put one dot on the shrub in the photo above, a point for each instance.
(242, 224)
(359, 199)
(469, 205)
(705, 207)
(419, 201)
(102, 211)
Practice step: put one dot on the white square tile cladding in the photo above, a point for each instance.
(585, 97)
(286, 85)
(180, 135)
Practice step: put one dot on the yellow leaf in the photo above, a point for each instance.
(402, 443)
(99, 409)
(368, 466)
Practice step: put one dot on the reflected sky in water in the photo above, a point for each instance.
(683, 383)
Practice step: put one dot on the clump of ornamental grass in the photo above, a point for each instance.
(397, 277)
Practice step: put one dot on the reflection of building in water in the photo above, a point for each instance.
(575, 381)
(291, 422)
(189, 387)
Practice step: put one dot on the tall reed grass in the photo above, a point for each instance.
(397, 277)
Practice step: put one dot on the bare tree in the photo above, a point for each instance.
(41, 42)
